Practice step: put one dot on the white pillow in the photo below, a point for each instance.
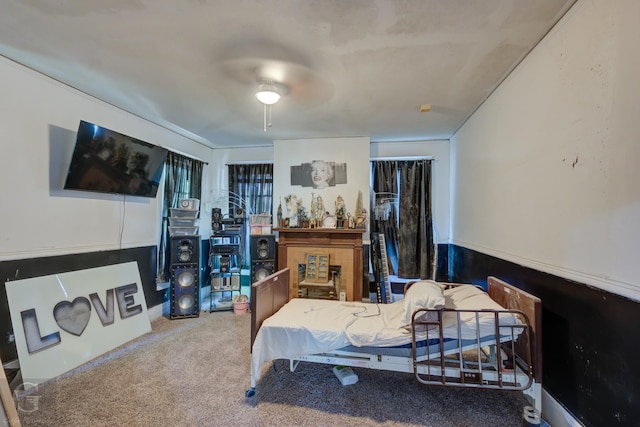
(422, 294)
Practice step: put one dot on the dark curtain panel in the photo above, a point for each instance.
(251, 187)
(384, 215)
(403, 213)
(182, 180)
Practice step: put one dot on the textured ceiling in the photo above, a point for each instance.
(350, 67)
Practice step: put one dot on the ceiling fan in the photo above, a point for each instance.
(272, 73)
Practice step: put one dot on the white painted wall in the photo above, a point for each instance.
(546, 171)
(352, 151)
(39, 118)
(216, 194)
(438, 150)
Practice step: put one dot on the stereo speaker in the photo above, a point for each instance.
(216, 219)
(262, 269)
(184, 291)
(185, 249)
(263, 248)
(239, 216)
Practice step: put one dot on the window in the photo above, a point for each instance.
(182, 180)
(251, 188)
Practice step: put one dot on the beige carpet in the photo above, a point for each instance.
(194, 372)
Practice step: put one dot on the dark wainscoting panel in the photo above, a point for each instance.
(35, 267)
(590, 339)
(442, 264)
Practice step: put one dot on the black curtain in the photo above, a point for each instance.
(182, 180)
(384, 212)
(402, 212)
(250, 187)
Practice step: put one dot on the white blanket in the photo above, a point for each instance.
(310, 326)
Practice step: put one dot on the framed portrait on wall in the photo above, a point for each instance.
(319, 174)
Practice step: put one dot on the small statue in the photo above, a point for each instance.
(312, 215)
(361, 221)
(279, 224)
(340, 208)
(293, 206)
(319, 208)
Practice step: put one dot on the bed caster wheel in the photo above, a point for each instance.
(251, 392)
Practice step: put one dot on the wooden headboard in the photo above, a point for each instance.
(513, 298)
(267, 296)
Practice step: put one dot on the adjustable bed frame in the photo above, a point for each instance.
(510, 358)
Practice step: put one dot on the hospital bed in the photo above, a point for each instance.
(444, 333)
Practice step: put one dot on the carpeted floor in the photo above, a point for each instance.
(194, 372)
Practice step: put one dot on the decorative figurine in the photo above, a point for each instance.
(293, 205)
(340, 217)
(320, 211)
(280, 214)
(361, 220)
(351, 220)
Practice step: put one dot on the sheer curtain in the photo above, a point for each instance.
(182, 180)
(401, 210)
(253, 185)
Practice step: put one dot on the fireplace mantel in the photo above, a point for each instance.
(344, 247)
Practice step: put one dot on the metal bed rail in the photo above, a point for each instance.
(497, 365)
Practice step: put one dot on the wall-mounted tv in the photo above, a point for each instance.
(105, 161)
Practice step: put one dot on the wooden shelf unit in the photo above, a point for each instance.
(343, 247)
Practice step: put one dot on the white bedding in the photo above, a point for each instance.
(309, 326)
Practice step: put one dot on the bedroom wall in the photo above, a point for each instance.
(438, 150)
(352, 151)
(561, 130)
(46, 230)
(545, 193)
(38, 121)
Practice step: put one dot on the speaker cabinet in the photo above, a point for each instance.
(216, 219)
(184, 291)
(239, 216)
(263, 248)
(185, 249)
(262, 269)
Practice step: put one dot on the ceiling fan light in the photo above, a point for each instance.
(268, 94)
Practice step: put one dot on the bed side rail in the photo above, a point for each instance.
(484, 357)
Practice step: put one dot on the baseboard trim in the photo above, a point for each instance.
(555, 414)
(156, 311)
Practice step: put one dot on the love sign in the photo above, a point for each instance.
(64, 320)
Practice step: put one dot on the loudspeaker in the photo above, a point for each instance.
(262, 269)
(184, 291)
(216, 219)
(239, 216)
(263, 248)
(185, 249)
(185, 270)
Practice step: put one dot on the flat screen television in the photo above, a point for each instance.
(105, 161)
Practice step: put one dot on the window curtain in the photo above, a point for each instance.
(251, 187)
(402, 212)
(182, 180)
